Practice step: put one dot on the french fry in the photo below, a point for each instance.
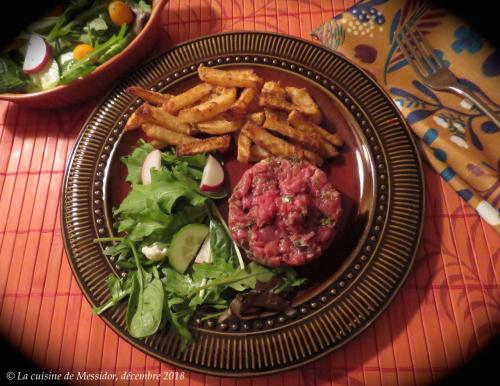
(258, 117)
(219, 126)
(220, 143)
(274, 88)
(327, 150)
(274, 96)
(298, 121)
(157, 144)
(306, 138)
(258, 153)
(272, 102)
(134, 121)
(160, 117)
(244, 145)
(310, 155)
(304, 103)
(275, 145)
(165, 135)
(240, 107)
(229, 78)
(209, 109)
(188, 97)
(153, 97)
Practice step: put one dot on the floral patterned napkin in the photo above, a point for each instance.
(459, 141)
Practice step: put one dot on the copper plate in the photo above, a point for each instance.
(379, 175)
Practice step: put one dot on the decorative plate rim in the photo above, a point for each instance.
(234, 372)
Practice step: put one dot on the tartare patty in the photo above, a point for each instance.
(284, 212)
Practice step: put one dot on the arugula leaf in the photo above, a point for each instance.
(176, 283)
(211, 270)
(240, 278)
(145, 229)
(42, 26)
(179, 317)
(197, 161)
(188, 166)
(256, 273)
(77, 12)
(152, 224)
(135, 160)
(97, 24)
(179, 309)
(114, 49)
(86, 65)
(120, 250)
(145, 7)
(289, 278)
(12, 78)
(118, 289)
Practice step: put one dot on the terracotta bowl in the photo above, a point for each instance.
(100, 80)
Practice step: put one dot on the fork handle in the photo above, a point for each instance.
(477, 100)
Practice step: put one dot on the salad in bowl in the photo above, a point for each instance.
(81, 39)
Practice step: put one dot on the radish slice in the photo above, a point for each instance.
(213, 175)
(152, 160)
(204, 254)
(37, 54)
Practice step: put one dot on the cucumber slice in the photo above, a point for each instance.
(185, 243)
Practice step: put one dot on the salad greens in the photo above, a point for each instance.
(86, 23)
(157, 294)
(12, 78)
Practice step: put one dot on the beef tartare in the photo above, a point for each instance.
(284, 212)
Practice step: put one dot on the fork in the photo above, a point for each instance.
(433, 72)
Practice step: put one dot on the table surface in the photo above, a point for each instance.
(447, 310)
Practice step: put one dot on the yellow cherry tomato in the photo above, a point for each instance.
(120, 13)
(82, 50)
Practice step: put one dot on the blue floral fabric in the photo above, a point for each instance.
(457, 139)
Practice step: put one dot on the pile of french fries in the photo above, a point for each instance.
(269, 120)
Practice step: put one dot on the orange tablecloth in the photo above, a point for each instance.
(447, 310)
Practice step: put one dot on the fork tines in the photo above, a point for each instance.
(417, 51)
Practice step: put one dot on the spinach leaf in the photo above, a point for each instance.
(145, 307)
(223, 241)
(145, 304)
(221, 245)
